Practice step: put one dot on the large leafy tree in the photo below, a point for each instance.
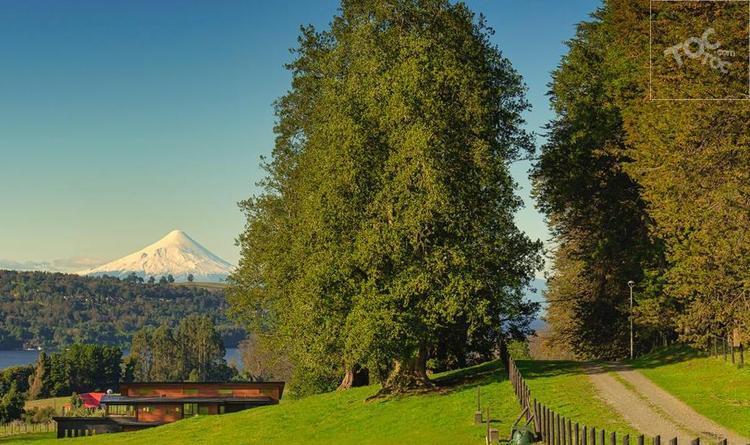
(386, 224)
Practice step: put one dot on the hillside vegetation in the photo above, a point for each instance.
(55, 310)
(442, 416)
(711, 386)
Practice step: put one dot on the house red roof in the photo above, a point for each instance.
(91, 399)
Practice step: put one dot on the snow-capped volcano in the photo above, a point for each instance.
(176, 254)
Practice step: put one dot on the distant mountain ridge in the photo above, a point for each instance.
(176, 254)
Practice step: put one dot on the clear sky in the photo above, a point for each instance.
(120, 121)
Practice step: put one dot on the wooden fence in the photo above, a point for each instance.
(13, 428)
(553, 429)
(725, 346)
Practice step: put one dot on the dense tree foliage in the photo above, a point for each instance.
(386, 229)
(650, 191)
(17, 376)
(193, 351)
(11, 404)
(56, 310)
(594, 207)
(79, 368)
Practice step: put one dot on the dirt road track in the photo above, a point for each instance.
(652, 410)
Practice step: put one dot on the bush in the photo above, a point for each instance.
(39, 415)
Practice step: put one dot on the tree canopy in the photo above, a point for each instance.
(386, 222)
(646, 190)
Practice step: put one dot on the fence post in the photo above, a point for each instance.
(570, 433)
(578, 435)
(696, 441)
(641, 440)
(593, 435)
(724, 347)
(613, 438)
(742, 355)
(583, 436)
(731, 348)
(551, 420)
(673, 441)
(626, 439)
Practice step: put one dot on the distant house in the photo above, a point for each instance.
(145, 405)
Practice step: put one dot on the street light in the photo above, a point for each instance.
(631, 284)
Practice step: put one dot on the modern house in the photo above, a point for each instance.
(145, 405)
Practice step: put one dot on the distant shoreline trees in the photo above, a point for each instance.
(191, 352)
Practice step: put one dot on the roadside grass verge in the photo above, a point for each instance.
(712, 387)
(442, 416)
(564, 387)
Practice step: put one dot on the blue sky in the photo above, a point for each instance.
(120, 121)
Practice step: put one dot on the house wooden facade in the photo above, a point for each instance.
(145, 405)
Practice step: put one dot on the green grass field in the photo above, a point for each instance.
(712, 387)
(56, 403)
(33, 438)
(443, 416)
(563, 387)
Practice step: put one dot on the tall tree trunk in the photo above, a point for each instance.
(354, 376)
(409, 374)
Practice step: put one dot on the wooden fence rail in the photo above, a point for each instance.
(553, 429)
(13, 428)
(725, 346)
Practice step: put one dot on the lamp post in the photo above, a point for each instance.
(631, 284)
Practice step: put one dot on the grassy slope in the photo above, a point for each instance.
(443, 417)
(563, 387)
(56, 402)
(716, 389)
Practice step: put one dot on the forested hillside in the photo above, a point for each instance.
(53, 310)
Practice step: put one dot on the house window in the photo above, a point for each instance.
(190, 392)
(203, 409)
(120, 410)
(225, 392)
(222, 409)
(145, 409)
(189, 409)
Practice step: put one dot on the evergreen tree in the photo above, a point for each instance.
(39, 386)
(593, 206)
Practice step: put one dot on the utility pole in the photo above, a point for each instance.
(631, 283)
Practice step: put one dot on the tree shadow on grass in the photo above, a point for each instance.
(452, 381)
(535, 369)
(666, 356)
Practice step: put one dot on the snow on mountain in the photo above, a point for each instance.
(176, 254)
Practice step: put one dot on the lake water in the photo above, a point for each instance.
(16, 358)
